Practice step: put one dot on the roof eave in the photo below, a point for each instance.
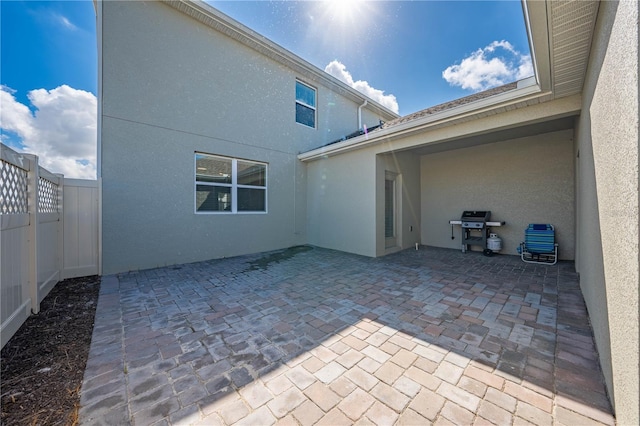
(536, 17)
(471, 109)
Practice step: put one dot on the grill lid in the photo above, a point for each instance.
(475, 216)
(475, 219)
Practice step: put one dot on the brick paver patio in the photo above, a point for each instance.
(314, 336)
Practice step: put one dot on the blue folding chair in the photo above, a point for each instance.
(539, 245)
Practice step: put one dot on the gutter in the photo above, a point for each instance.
(360, 113)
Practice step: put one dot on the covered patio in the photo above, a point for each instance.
(315, 336)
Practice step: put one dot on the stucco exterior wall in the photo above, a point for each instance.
(164, 68)
(521, 181)
(608, 221)
(341, 203)
(345, 195)
(172, 86)
(149, 217)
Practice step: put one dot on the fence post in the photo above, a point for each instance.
(99, 204)
(60, 224)
(33, 178)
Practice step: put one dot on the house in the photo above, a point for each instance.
(190, 96)
(216, 142)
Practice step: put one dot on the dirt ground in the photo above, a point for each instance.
(43, 364)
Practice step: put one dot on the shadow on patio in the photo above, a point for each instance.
(309, 335)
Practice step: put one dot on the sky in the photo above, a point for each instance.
(407, 55)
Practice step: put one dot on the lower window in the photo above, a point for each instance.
(230, 185)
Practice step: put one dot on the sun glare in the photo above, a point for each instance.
(344, 9)
(341, 22)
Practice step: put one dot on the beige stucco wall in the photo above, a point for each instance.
(345, 195)
(341, 203)
(172, 86)
(521, 181)
(149, 217)
(608, 221)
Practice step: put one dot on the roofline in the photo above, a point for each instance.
(530, 91)
(213, 18)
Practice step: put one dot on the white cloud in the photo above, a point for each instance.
(62, 132)
(339, 71)
(496, 64)
(64, 21)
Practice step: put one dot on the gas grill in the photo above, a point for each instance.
(475, 228)
(475, 220)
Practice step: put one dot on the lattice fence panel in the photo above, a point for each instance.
(47, 196)
(13, 188)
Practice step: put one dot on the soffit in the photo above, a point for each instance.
(571, 24)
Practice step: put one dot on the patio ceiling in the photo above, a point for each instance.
(498, 136)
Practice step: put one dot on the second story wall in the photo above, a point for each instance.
(164, 68)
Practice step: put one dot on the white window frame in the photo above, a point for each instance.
(233, 185)
(304, 104)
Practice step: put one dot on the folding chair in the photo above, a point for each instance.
(539, 244)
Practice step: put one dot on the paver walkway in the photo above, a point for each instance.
(314, 336)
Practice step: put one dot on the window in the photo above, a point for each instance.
(230, 185)
(305, 105)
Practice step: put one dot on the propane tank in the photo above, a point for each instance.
(494, 243)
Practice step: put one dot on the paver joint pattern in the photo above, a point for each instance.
(314, 336)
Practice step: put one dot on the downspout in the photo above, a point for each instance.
(360, 113)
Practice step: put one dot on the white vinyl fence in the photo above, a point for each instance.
(48, 232)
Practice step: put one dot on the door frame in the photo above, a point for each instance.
(393, 241)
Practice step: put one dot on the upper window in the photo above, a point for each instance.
(230, 185)
(305, 105)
